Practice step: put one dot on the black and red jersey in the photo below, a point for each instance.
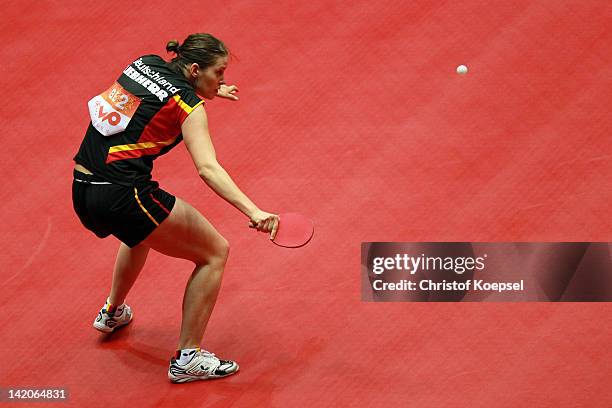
(135, 121)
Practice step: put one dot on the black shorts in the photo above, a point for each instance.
(129, 213)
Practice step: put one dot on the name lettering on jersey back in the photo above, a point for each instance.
(151, 80)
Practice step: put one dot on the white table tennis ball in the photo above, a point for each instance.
(462, 70)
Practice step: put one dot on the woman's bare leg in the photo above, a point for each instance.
(128, 265)
(188, 235)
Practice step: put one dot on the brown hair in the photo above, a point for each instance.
(201, 48)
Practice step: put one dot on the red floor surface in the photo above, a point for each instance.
(351, 113)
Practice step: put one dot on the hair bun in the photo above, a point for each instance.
(173, 46)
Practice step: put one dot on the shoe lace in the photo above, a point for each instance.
(210, 358)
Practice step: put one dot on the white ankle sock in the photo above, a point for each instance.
(185, 355)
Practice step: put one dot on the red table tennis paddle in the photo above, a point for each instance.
(294, 230)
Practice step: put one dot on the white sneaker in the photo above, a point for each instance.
(108, 322)
(203, 366)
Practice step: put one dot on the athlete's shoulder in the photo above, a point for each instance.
(151, 62)
(188, 100)
(151, 58)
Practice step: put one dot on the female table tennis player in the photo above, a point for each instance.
(147, 111)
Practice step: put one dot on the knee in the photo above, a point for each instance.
(223, 248)
(217, 253)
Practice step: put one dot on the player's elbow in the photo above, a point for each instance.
(208, 170)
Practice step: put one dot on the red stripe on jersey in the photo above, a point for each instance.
(182, 115)
(132, 154)
(164, 125)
